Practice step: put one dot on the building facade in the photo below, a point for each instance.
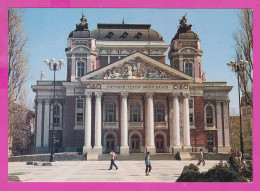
(121, 95)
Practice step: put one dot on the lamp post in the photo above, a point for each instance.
(238, 68)
(53, 66)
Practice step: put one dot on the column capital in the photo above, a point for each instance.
(149, 95)
(98, 94)
(186, 95)
(176, 95)
(124, 94)
(47, 101)
(218, 102)
(40, 101)
(226, 102)
(88, 94)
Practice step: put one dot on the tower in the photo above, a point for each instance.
(81, 51)
(185, 53)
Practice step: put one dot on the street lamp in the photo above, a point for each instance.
(53, 66)
(238, 68)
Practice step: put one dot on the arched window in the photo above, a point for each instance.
(159, 112)
(80, 68)
(135, 112)
(56, 114)
(209, 115)
(110, 112)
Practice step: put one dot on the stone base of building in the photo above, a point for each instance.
(87, 150)
(124, 150)
(41, 150)
(224, 150)
(151, 149)
(187, 149)
(176, 149)
(97, 150)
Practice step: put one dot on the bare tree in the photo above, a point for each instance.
(19, 131)
(17, 58)
(244, 51)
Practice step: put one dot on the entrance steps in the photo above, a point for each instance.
(138, 156)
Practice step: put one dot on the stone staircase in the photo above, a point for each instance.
(74, 156)
(138, 156)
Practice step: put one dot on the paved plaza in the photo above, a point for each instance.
(97, 171)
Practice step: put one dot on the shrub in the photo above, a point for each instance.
(189, 176)
(190, 167)
(220, 174)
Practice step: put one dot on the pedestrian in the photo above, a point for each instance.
(113, 158)
(148, 164)
(201, 158)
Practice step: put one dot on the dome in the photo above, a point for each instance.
(187, 35)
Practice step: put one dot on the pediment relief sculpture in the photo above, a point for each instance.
(136, 69)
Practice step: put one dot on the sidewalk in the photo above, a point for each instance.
(97, 171)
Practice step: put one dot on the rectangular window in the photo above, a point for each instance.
(79, 117)
(191, 117)
(188, 68)
(80, 103)
(80, 69)
(190, 103)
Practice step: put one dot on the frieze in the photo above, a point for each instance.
(181, 87)
(93, 86)
(136, 69)
(81, 42)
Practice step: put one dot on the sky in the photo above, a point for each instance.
(48, 30)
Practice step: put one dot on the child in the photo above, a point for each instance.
(148, 164)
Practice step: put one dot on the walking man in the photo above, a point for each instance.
(148, 164)
(113, 158)
(201, 158)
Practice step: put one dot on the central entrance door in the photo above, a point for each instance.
(159, 143)
(110, 143)
(135, 144)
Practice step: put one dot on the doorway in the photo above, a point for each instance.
(159, 143)
(110, 143)
(135, 144)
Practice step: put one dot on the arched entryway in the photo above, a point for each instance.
(110, 143)
(135, 143)
(159, 144)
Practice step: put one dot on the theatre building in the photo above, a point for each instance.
(121, 95)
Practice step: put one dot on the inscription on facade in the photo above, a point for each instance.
(139, 87)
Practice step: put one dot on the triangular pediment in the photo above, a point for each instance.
(136, 67)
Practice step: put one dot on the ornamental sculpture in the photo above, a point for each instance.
(83, 25)
(136, 69)
(183, 27)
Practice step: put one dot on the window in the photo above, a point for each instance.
(159, 112)
(79, 111)
(209, 115)
(80, 68)
(188, 68)
(191, 118)
(210, 142)
(80, 103)
(79, 117)
(135, 112)
(56, 114)
(190, 103)
(110, 112)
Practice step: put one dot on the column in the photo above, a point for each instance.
(150, 125)
(186, 121)
(73, 67)
(226, 125)
(181, 63)
(176, 122)
(219, 126)
(87, 142)
(46, 123)
(124, 148)
(39, 125)
(98, 147)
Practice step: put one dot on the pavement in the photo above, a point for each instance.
(97, 171)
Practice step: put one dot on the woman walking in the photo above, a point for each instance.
(148, 164)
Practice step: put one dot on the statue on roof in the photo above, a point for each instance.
(83, 25)
(42, 75)
(204, 78)
(183, 27)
